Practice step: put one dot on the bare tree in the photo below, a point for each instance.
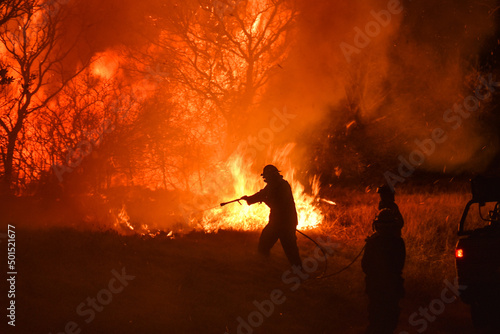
(213, 59)
(226, 51)
(84, 131)
(10, 9)
(36, 59)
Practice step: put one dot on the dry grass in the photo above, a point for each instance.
(430, 231)
(201, 283)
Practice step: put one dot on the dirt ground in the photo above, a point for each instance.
(73, 281)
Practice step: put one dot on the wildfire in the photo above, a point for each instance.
(246, 182)
(124, 226)
(235, 180)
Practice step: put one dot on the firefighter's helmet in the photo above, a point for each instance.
(385, 190)
(270, 170)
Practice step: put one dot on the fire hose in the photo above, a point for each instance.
(322, 250)
(322, 275)
(235, 200)
(345, 268)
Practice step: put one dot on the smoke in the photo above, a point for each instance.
(395, 82)
(384, 70)
(110, 23)
(372, 82)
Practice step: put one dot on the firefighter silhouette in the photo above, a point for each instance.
(382, 263)
(387, 202)
(277, 195)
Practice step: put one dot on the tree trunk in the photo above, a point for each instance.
(8, 164)
(9, 157)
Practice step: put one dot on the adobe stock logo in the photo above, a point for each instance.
(372, 29)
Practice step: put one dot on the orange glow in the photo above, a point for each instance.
(105, 64)
(236, 178)
(246, 182)
(459, 253)
(172, 108)
(124, 226)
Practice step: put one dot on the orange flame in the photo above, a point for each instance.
(123, 225)
(246, 182)
(239, 180)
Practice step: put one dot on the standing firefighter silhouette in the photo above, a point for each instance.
(283, 217)
(383, 264)
(387, 202)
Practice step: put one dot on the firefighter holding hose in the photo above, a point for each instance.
(277, 195)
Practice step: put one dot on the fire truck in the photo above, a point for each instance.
(477, 253)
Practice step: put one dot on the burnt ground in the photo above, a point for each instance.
(197, 283)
